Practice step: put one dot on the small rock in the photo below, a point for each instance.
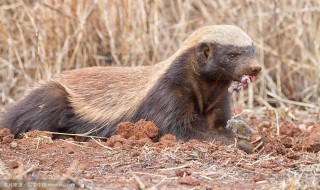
(13, 144)
(117, 144)
(188, 180)
(184, 172)
(135, 154)
(89, 176)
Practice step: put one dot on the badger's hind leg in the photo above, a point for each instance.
(47, 109)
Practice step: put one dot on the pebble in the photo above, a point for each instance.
(13, 144)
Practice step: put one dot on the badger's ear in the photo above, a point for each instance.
(203, 51)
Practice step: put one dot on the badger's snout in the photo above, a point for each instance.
(251, 68)
(254, 68)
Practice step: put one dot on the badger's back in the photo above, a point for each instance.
(101, 94)
(88, 100)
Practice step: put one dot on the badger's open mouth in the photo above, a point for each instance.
(247, 79)
(244, 81)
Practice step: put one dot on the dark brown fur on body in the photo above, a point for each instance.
(186, 95)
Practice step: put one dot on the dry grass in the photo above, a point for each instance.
(41, 38)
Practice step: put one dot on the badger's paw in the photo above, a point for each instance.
(245, 137)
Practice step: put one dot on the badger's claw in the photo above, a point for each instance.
(257, 142)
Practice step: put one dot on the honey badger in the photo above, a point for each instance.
(185, 95)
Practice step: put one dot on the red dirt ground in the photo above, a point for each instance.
(134, 159)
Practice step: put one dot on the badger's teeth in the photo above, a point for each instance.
(245, 80)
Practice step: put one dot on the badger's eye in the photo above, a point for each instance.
(233, 55)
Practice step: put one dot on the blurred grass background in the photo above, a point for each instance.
(39, 39)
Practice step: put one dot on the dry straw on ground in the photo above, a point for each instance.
(39, 39)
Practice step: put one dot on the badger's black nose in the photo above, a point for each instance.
(255, 68)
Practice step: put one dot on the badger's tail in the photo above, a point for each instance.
(46, 109)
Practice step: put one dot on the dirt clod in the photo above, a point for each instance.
(275, 146)
(4, 132)
(5, 136)
(93, 143)
(139, 130)
(7, 139)
(188, 180)
(89, 176)
(287, 141)
(181, 173)
(167, 140)
(115, 141)
(289, 129)
(135, 154)
(312, 140)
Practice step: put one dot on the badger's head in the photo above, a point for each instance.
(223, 52)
